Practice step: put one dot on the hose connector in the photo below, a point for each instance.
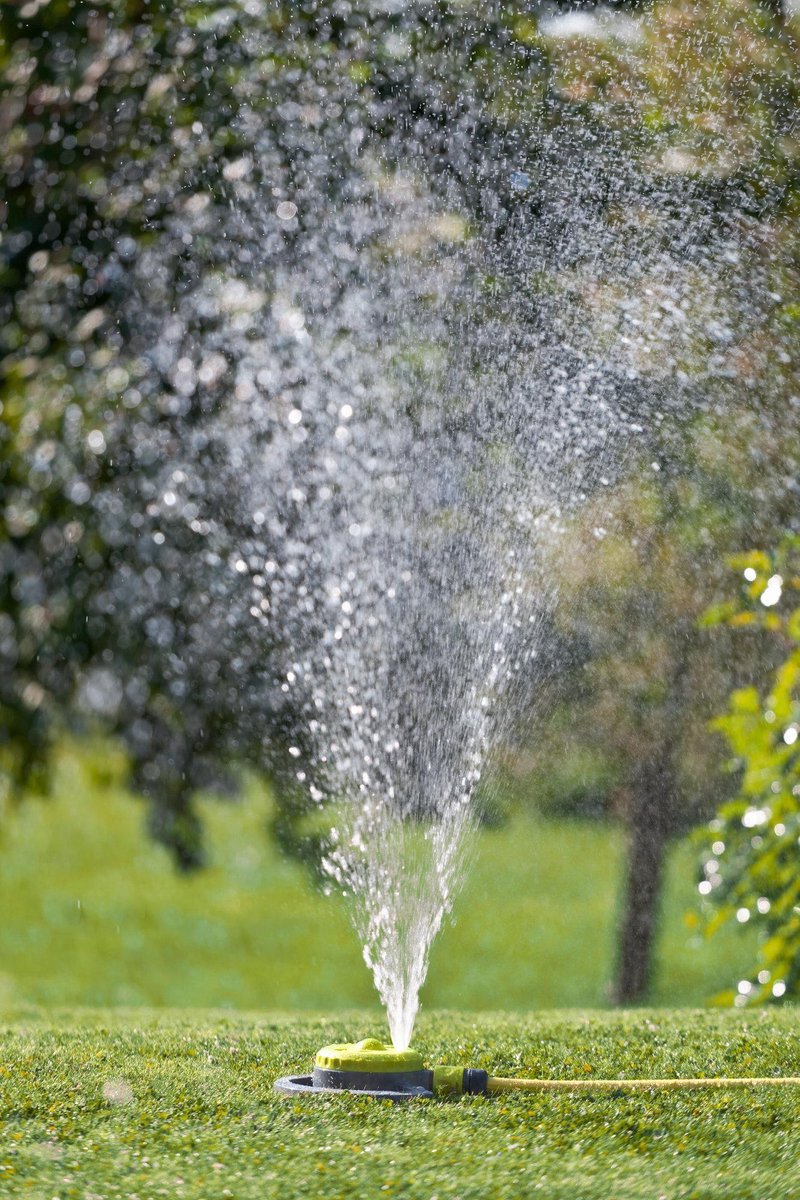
(459, 1081)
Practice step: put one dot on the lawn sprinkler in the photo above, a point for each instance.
(371, 1068)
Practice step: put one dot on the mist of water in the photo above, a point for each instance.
(421, 339)
(413, 420)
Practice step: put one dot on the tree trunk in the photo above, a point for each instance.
(650, 823)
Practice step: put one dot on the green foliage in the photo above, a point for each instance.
(707, 94)
(116, 116)
(106, 596)
(117, 126)
(578, 781)
(701, 102)
(641, 678)
(106, 1103)
(751, 867)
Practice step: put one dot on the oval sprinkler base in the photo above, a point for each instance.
(366, 1068)
(303, 1085)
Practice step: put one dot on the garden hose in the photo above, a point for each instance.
(371, 1068)
(495, 1085)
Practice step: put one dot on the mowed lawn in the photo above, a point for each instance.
(94, 914)
(142, 1105)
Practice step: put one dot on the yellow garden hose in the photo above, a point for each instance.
(496, 1084)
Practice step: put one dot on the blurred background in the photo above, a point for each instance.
(639, 840)
(95, 913)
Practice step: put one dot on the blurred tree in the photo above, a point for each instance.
(119, 603)
(130, 559)
(750, 857)
(642, 676)
(640, 566)
(646, 684)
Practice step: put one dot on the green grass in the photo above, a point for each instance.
(94, 914)
(127, 1102)
(97, 1105)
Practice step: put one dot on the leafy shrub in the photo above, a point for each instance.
(750, 868)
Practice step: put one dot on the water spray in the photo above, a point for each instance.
(371, 1068)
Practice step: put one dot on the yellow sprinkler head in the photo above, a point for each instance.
(368, 1055)
(371, 1066)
